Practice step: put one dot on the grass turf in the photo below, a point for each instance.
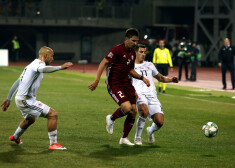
(81, 127)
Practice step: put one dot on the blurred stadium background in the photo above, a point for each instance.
(87, 29)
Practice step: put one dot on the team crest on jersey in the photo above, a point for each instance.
(40, 104)
(132, 57)
(230, 49)
(124, 56)
(110, 55)
(147, 67)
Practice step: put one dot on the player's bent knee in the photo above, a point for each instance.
(52, 114)
(31, 120)
(127, 109)
(160, 124)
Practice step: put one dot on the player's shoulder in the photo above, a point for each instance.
(118, 47)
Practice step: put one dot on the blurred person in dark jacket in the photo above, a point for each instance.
(194, 58)
(226, 61)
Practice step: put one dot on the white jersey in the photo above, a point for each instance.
(147, 70)
(30, 80)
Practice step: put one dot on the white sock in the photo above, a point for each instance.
(153, 128)
(139, 127)
(53, 137)
(19, 131)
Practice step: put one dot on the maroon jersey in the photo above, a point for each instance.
(121, 61)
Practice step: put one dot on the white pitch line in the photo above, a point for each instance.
(211, 101)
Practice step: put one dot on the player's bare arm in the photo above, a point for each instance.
(134, 74)
(165, 79)
(100, 70)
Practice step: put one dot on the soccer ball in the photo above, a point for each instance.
(210, 129)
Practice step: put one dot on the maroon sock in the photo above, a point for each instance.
(117, 114)
(129, 122)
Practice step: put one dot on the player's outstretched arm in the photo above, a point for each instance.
(165, 79)
(134, 74)
(100, 70)
(49, 69)
(12, 91)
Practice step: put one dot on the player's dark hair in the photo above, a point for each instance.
(131, 32)
(139, 46)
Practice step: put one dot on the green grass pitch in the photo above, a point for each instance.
(81, 127)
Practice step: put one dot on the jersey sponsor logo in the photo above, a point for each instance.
(110, 55)
(124, 56)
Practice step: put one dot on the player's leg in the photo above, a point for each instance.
(130, 110)
(157, 115)
(52, 129)
(21, 129)
(143, 111)
(159, 68)
(158, 119)
(165, 73)
(120, 98)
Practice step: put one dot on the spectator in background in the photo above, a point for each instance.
(194, 58)
(15, 49)
(162, 59)
(183, 58)
(226, 61)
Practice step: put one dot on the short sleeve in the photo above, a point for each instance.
(154, 70)
(112, 54)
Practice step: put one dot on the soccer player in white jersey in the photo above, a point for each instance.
(25, 99)
(147, 103)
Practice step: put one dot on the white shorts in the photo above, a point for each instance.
(153, 104)
(32, 108)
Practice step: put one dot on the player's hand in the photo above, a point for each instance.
(219, 64)
(146, 81)
(93, 85)
(66, 65)
(175, 79)
(5, 105)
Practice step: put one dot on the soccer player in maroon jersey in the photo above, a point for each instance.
(120, 61)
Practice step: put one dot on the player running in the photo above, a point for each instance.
(120, 61)
(27, 85)
(148, 104)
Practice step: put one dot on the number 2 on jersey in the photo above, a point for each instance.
(120, 94)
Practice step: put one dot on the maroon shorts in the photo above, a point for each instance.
(121, 94)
